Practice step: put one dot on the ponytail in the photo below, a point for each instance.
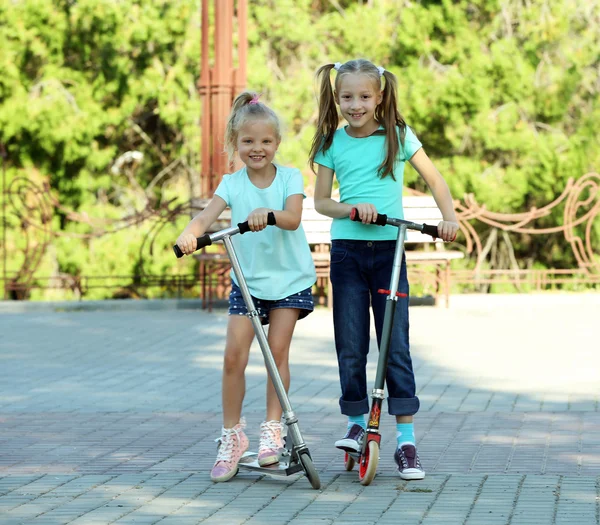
(328, 116)
(389, 117)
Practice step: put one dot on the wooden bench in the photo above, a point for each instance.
(214, 264)
(421, 209)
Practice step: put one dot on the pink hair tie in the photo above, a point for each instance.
(254, 100)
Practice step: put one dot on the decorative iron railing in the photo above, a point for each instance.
(27, 212)
(580, 227)
(28, 209)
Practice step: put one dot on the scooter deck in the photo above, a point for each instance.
(250, 461)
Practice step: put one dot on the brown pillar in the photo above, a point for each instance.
(219, 85)
(204, 91)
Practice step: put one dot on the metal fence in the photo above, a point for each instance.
(579, 206)
(28, 208)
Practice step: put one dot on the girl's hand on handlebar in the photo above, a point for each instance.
(367, 212)
(187, 243)
(257, 220)
(447, 230)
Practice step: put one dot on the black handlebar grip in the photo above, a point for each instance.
(380, 220)
(201, 242)
(243, 226)
(428, 229)
(271, 221)
(178, 252)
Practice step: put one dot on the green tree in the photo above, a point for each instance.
(98, 99)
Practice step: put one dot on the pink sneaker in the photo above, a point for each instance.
(233, 444)
(270, 443)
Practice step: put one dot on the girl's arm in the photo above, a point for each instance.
(287, 219)
(324, 204)
(290, 217)
(440, 191)
(199, 224)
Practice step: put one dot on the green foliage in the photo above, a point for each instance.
(85, 81)
(504, 95)
(81, 84)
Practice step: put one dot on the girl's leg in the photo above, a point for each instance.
(350, 268)
(282, 322)
(240, 334)
(233, 441)
(351, 323)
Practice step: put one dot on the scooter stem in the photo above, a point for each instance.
(390, 310)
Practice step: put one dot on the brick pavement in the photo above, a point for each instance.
(109, 417)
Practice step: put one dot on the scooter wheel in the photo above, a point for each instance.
(349, 462)
(368, 463)
(310, 470)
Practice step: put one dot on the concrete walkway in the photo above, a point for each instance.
(110, 416)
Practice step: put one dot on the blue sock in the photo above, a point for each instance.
(357, 420)
(405, 433)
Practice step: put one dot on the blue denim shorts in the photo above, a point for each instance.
(303, 301)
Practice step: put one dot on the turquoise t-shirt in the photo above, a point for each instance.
(355, 162)
(276, 263)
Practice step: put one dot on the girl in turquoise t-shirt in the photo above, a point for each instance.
(367, 157)
(276, 263)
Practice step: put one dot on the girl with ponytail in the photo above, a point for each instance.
(276, 263)
(367, 157)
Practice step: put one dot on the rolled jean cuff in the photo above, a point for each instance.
(403, 406)
(355, 408)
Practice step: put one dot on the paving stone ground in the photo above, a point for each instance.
(110, 417)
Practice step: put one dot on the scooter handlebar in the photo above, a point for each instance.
(205, 240)
(380, 220)
(201, 242)
(429, 229)
(244, 228)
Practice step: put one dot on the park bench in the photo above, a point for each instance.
(214, 265)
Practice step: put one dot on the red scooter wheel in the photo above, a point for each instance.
(349, 462)
(368, 463)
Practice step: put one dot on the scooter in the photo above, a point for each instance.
(368, 457)
(295, 456)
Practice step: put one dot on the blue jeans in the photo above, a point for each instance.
(358, 270)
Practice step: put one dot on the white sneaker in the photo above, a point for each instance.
(271, 443)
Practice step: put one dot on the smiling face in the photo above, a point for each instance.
(358, 95)
(257, 143)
